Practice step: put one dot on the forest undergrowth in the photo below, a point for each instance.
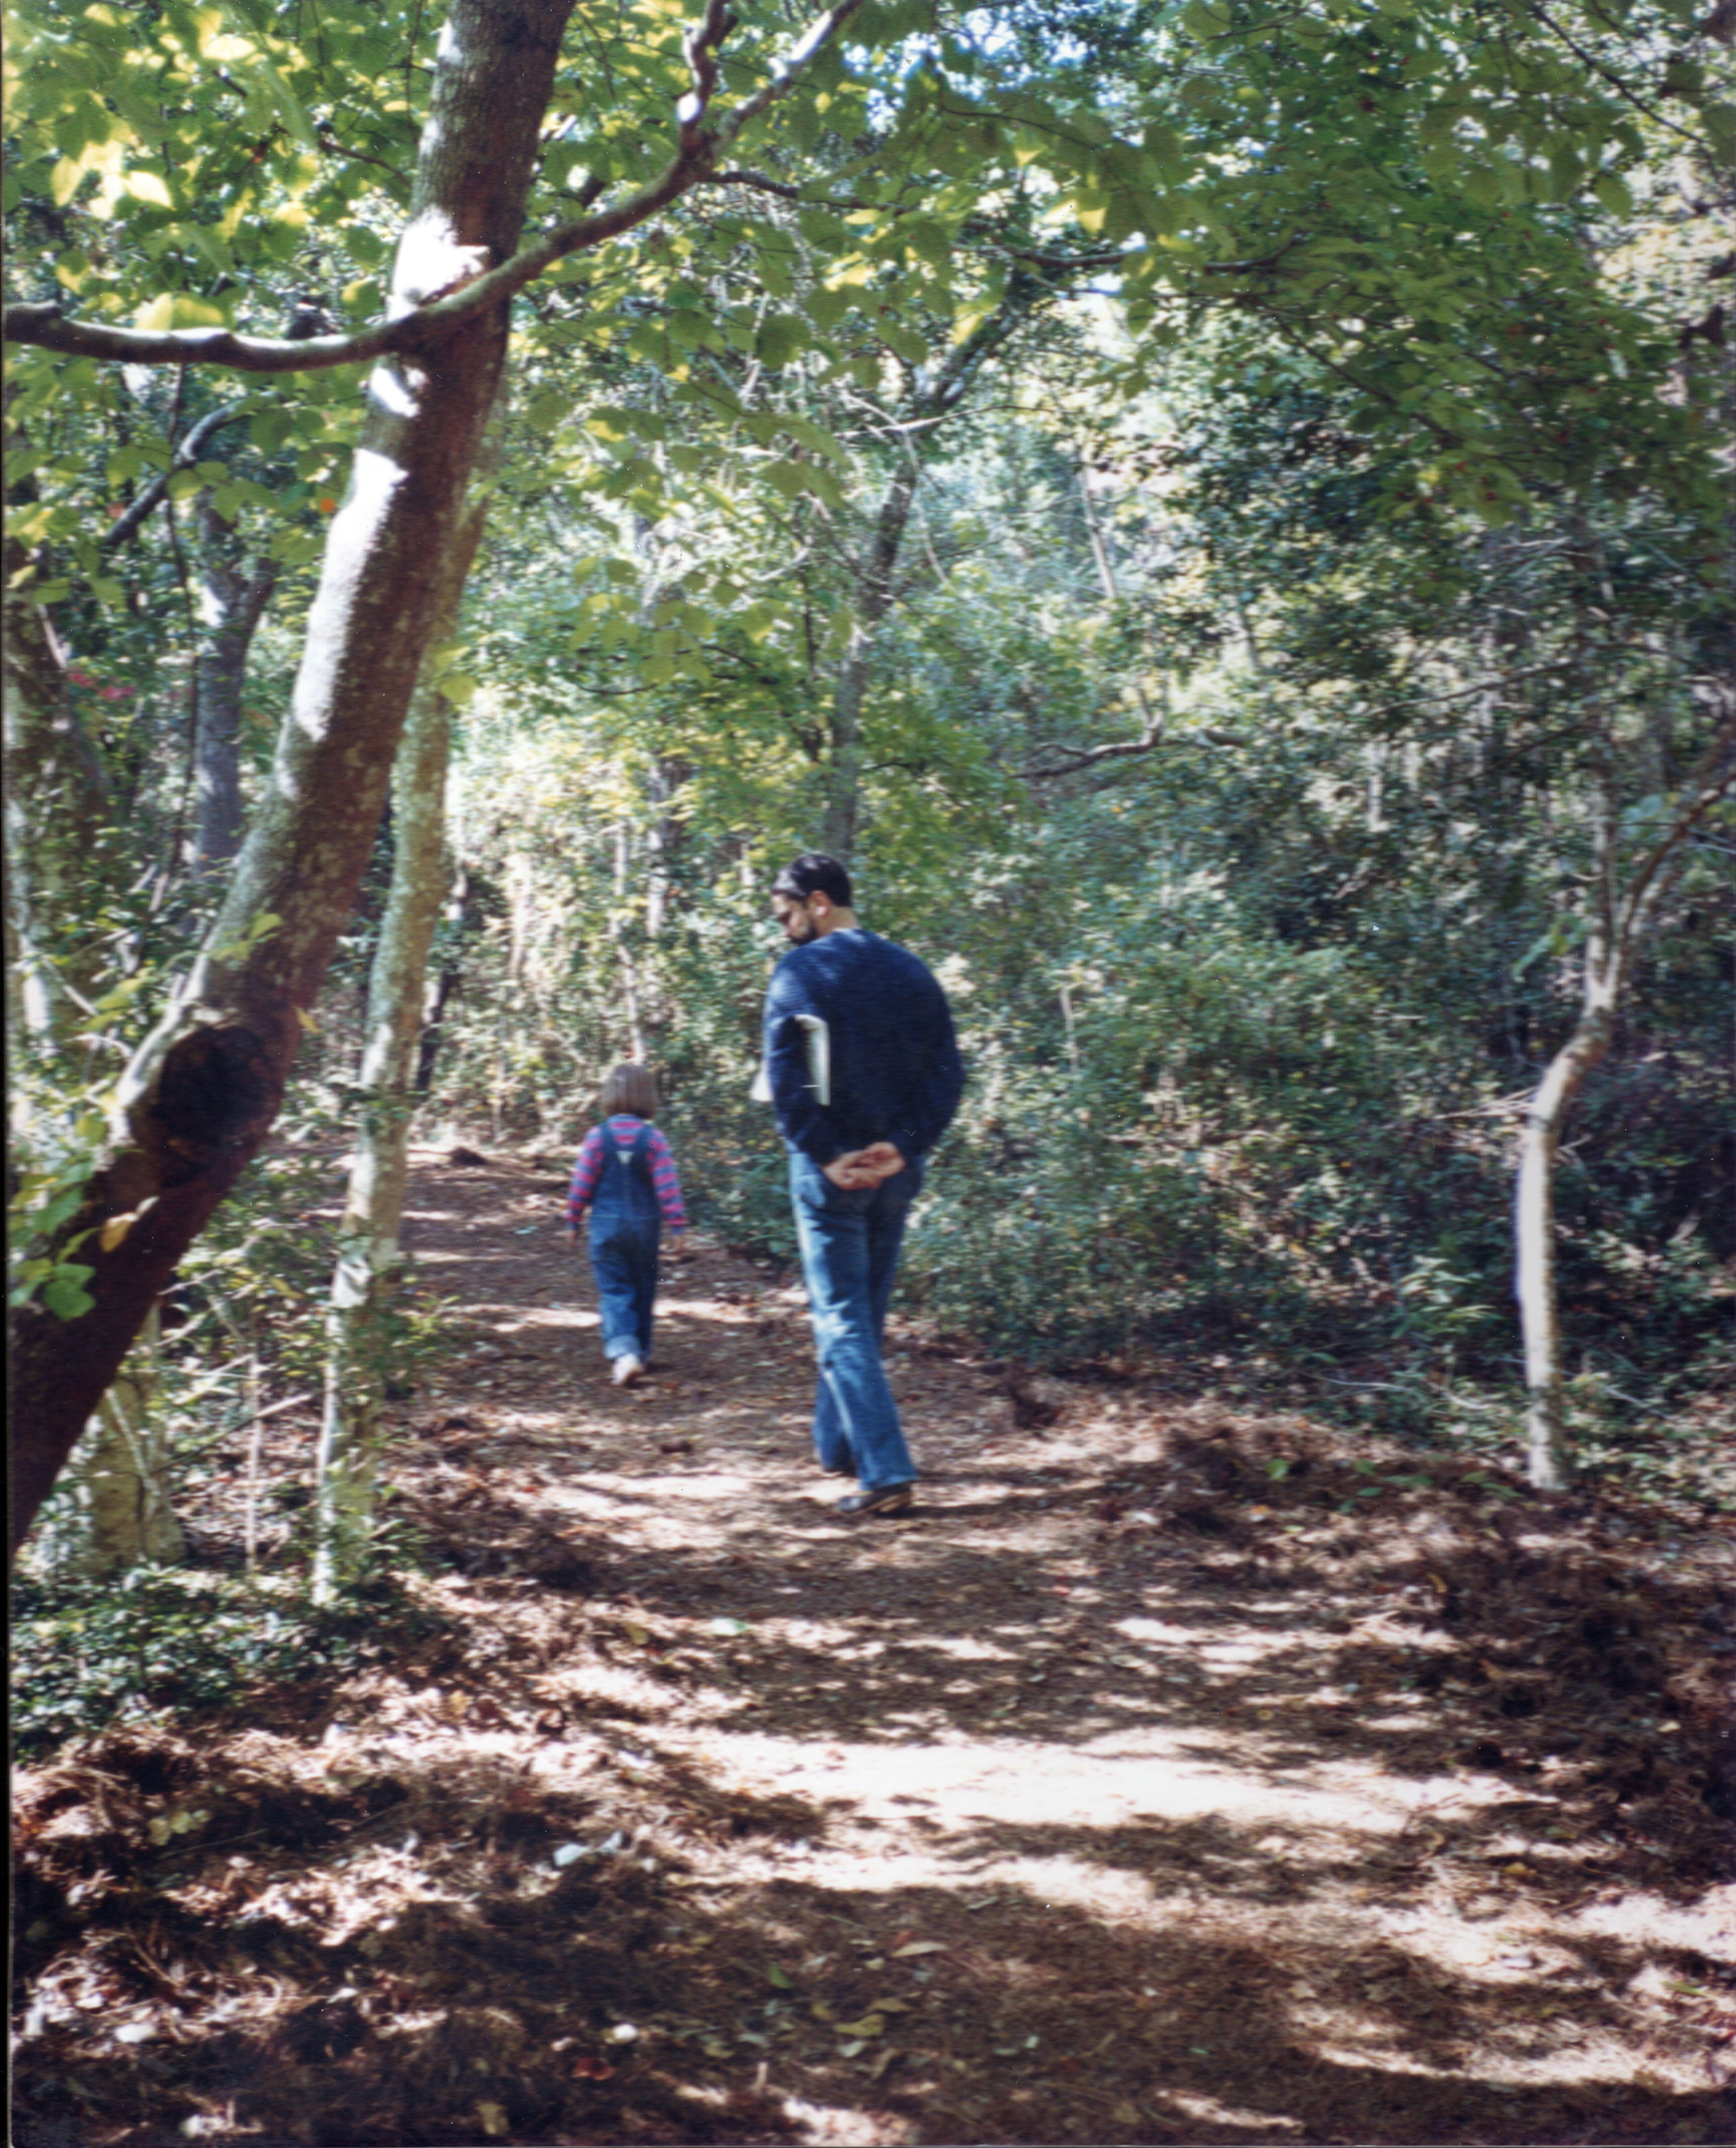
(1183, 1769)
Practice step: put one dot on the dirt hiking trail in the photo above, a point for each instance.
(1175, 1773)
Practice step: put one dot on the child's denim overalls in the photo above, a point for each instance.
(625, 1223)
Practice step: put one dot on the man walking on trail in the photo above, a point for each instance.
(864, 1076)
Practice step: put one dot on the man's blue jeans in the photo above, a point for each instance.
(850, 1242)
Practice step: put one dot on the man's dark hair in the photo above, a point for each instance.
(813, 873)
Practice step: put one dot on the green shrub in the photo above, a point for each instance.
(178, 1639)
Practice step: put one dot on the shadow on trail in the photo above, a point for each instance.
(1257, 1789)
(1540, 1681)
(610, 2002)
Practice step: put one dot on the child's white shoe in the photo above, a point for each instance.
(626, 1371)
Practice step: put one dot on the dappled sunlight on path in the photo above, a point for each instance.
(980, 1705)
(1135, 1788)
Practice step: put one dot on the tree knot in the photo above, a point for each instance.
(218, 1090)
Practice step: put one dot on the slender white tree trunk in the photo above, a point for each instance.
(876, 592)
(621, 931)
(1547, 1459)
(1624, 917)
(368, 1255)
(662, 840)
(129, 1518)
(232, 602)
(57, 804)
(873, 600)
(444, 988)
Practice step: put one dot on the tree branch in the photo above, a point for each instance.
(588, 194)
(1088, 757)
(1107, 259)
(784, 76)
(192, 446)
(1297, 340)
(1251, 268)
(1482, 686)
(739, 176)
(46, 328)
(328, 141)
(700, 41)
(1149, 739)
(1712, 775)
(1612, 77)
(423, 330)
(953, 374)
(1115, 257)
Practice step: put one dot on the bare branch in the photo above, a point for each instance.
(1114, 257)
(1251, 268)
(1105, 259)
(700, 41)
(140, 510)
(1482, 686)
(587, 196)
(1088, 757)
(953, 377)
(1611, 77)
(328, 141)
(739, 177)
(1149, 739)
(783, 77)
(1712, 775)
(48, 329)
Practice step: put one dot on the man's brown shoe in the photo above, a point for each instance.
(884, 1500)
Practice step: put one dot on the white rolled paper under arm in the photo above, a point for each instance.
(818, 1041)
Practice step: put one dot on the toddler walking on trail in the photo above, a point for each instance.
(626, 1177)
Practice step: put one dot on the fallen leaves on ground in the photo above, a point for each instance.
(1182, 1773)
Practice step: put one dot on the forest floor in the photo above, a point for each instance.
(1175, 1773)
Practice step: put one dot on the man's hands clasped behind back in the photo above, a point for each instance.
(859, 1167)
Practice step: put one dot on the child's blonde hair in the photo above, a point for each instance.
(630, 1087)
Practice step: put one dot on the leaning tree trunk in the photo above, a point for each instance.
(201, 1093)
(203, 1089)
(368, 1248)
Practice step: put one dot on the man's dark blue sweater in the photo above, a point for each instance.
(895, 1073)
